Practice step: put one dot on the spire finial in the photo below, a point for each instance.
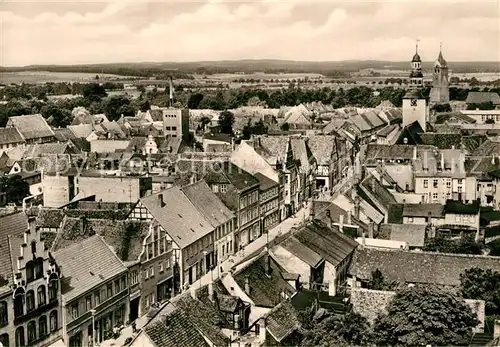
(440, 47)
(416, 45)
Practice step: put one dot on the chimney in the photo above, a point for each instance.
(267, 265)
(341, 223)
(247, 285)
(211, 291)
(371, 228)
(356, 207)
(171, 96)
(83, 223)
(160, 200)
(363, 240)
(414, 152)
(192, 179)
(260, 143)
(442, 162)
(32, 224)
(233, 144)
(349, 218)
(262, 331)
(192, 290)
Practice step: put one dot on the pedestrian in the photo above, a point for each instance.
(134, 327)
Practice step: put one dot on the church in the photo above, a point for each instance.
(415, 106)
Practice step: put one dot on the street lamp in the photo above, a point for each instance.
(93, 326)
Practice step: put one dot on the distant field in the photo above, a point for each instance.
(258, 76)
(45, 76)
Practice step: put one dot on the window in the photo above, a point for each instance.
(123, 282)
(459, 189)
(410, 219)
(223, 188)
(174, 128)
(4, 340)
(257, 329)
(53, 320)
(457, 218)
(448, 184)
(30, 271)
(4, 318)
(215, 188)
(167, 128)
(167, 264)
(147, 300)
(161, 267)
(88, 303)
(41, 295)
(42, 326)
(117, 286)
(74, 311)
(152, 271)
(33, 246)
(20, 342)
(19, 305)
(39, 268)
(435, 196)
(97, 299)
(53, 284)
(460, 181)
(109, 291)
(134, 278)
(435, 183)
(31, 332)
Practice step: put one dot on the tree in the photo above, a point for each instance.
(442, 107)
(205, 121)
(247, 130)
(425, 315)
(15, 188)
(115, 106)
(484, 285)
(465, 245)
(56, 116)
(94, 92)
(226, 121)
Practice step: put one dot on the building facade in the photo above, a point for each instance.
(440, 92)
(176, 122)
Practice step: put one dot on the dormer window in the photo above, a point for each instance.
(33, 246)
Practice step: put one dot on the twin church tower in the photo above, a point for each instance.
(415, 106)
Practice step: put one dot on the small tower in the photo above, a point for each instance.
(416, 76)
(440, 92)
(414, 104)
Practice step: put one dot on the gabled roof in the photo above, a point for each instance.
(423, 210)
(179, 217)
(265, 291)
(272, 148)
(172, 328)
(210, 206)
(265, 182)
(457, 207)
(321, 208)
(302, 152)
(488, 148)
(230, 173)
(483, 97)
(86, 265)
(441, 141)
(249, 160)
(417, 267)
(413, 234)
(42, 149)
(64, 134)
(49, 218)
(444, 117)
(282, 321)
(81, 130)
(31, 126)
(10, 136)
(377, 193)
(323, 147)
(412, 134)
(13, 224)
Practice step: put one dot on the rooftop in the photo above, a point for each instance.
(282, 321)
(413, 234)
(10, 136)
(483, 97)
(31, 126)
(86, 265)
(457, 207)
(423, 210)
(265, 182)
(12, 224)
(417, 267)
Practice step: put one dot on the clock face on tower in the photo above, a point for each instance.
(414, 102)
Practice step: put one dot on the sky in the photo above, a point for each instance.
(78, 32)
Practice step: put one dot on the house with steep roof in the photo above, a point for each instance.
(318, 253)
(30, 287)
(222, 219)
(270, 196)
(374, 193)
(278, 152)
(388, 135)
(414, 235)
(298, 117)
(423, 214)
(482, 98)
(10, 138)
(93, 278)
(483, 116)
(187, 233)
(33, 128)
(307, 168)
(239, 191)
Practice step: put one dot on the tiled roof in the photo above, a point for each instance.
(320, 212)
(423, 210)
(487, 148)
(412, 233)
(282, 321)
(302, 252)
(86, 265)
(82, 130)
(444, 117)
(322, 148)
(204, 315)
(394, 152)
(179, 217)
(441, 141)
(329, 244)
(273, 148)
(173, 328)
(13, 224)
(413, 94)
(124, 237)
(483, 97)
(472, 142)
(417, 267)
(264, 291)
(38, 150)
(302, 152)
(49, 218)
(457, 207)
(377, 192)
(265, 182)
(31, 126)
(10, 136)
(386, 131)
(232, 174)
(64, 134)
(210, 206)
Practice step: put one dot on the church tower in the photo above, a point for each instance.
(414, 104)
(440, 92)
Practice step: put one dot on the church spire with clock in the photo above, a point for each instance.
(414, 103)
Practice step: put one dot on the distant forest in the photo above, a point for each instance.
(184, 70)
